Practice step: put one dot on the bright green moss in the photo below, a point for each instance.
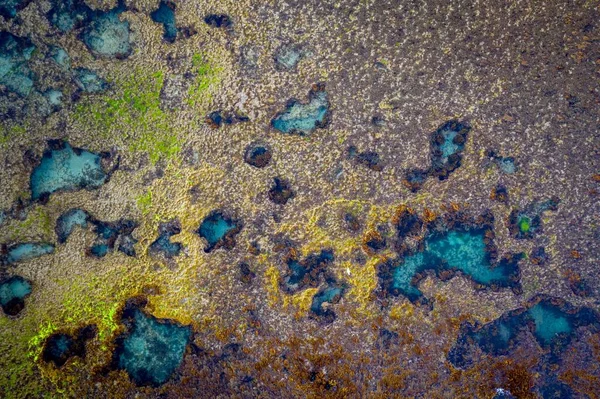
(524, 224)
(207, 77)
(134, 116)
(8, 134)
(39, 221)
(144, 202)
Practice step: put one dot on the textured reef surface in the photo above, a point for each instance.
(299, 199)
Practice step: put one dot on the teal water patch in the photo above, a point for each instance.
(15, 73)
(68, 221)
(551, 321)
(106, 35)
(60, 57)
(152, 349)
(454, 250)
(165, 15)
(446, 146)
(506, 165)
(54, 98)
(26, 251)
(330, 294)
(288, 56)
(13, 292)
(64, 168)
(89, 81)
(303, 119)
(219, 231)
(10, 8)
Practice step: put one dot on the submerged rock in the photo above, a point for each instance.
(60, 347)
(65, 168)
(108, 233)
(500, 194)
(288, 56)
(24, 251)
(165, 15)
(163, 245)
(106, 35)
(246, 274)
(258, 156)
(219, 231)
(370, 159)
(551, 321)
(13, 292)
(307, 272)
(60, 57)
(67, 15)
(219, 21)
(281, 191)
(303, 119)
(527, 223)
(103, 32)
(10, 8)
(89, 81)
(54, 98)
(151, 349)
(218, 118)
(446, 146)
(15, 73)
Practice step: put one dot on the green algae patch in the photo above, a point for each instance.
(524, 224)
(133, 116)
(144, 202)
(207, 77)
(9, 134)
(37, 226)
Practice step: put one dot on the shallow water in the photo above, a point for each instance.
(65, 170)
(13, 292)
(303, 119)
(153, 349)
(463, 250)
(27, 251)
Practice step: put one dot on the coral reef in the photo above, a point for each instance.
(178, 218)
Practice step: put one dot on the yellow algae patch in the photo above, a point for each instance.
(363, 281)
(301, 301)
(402, 311)
(272, 284)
